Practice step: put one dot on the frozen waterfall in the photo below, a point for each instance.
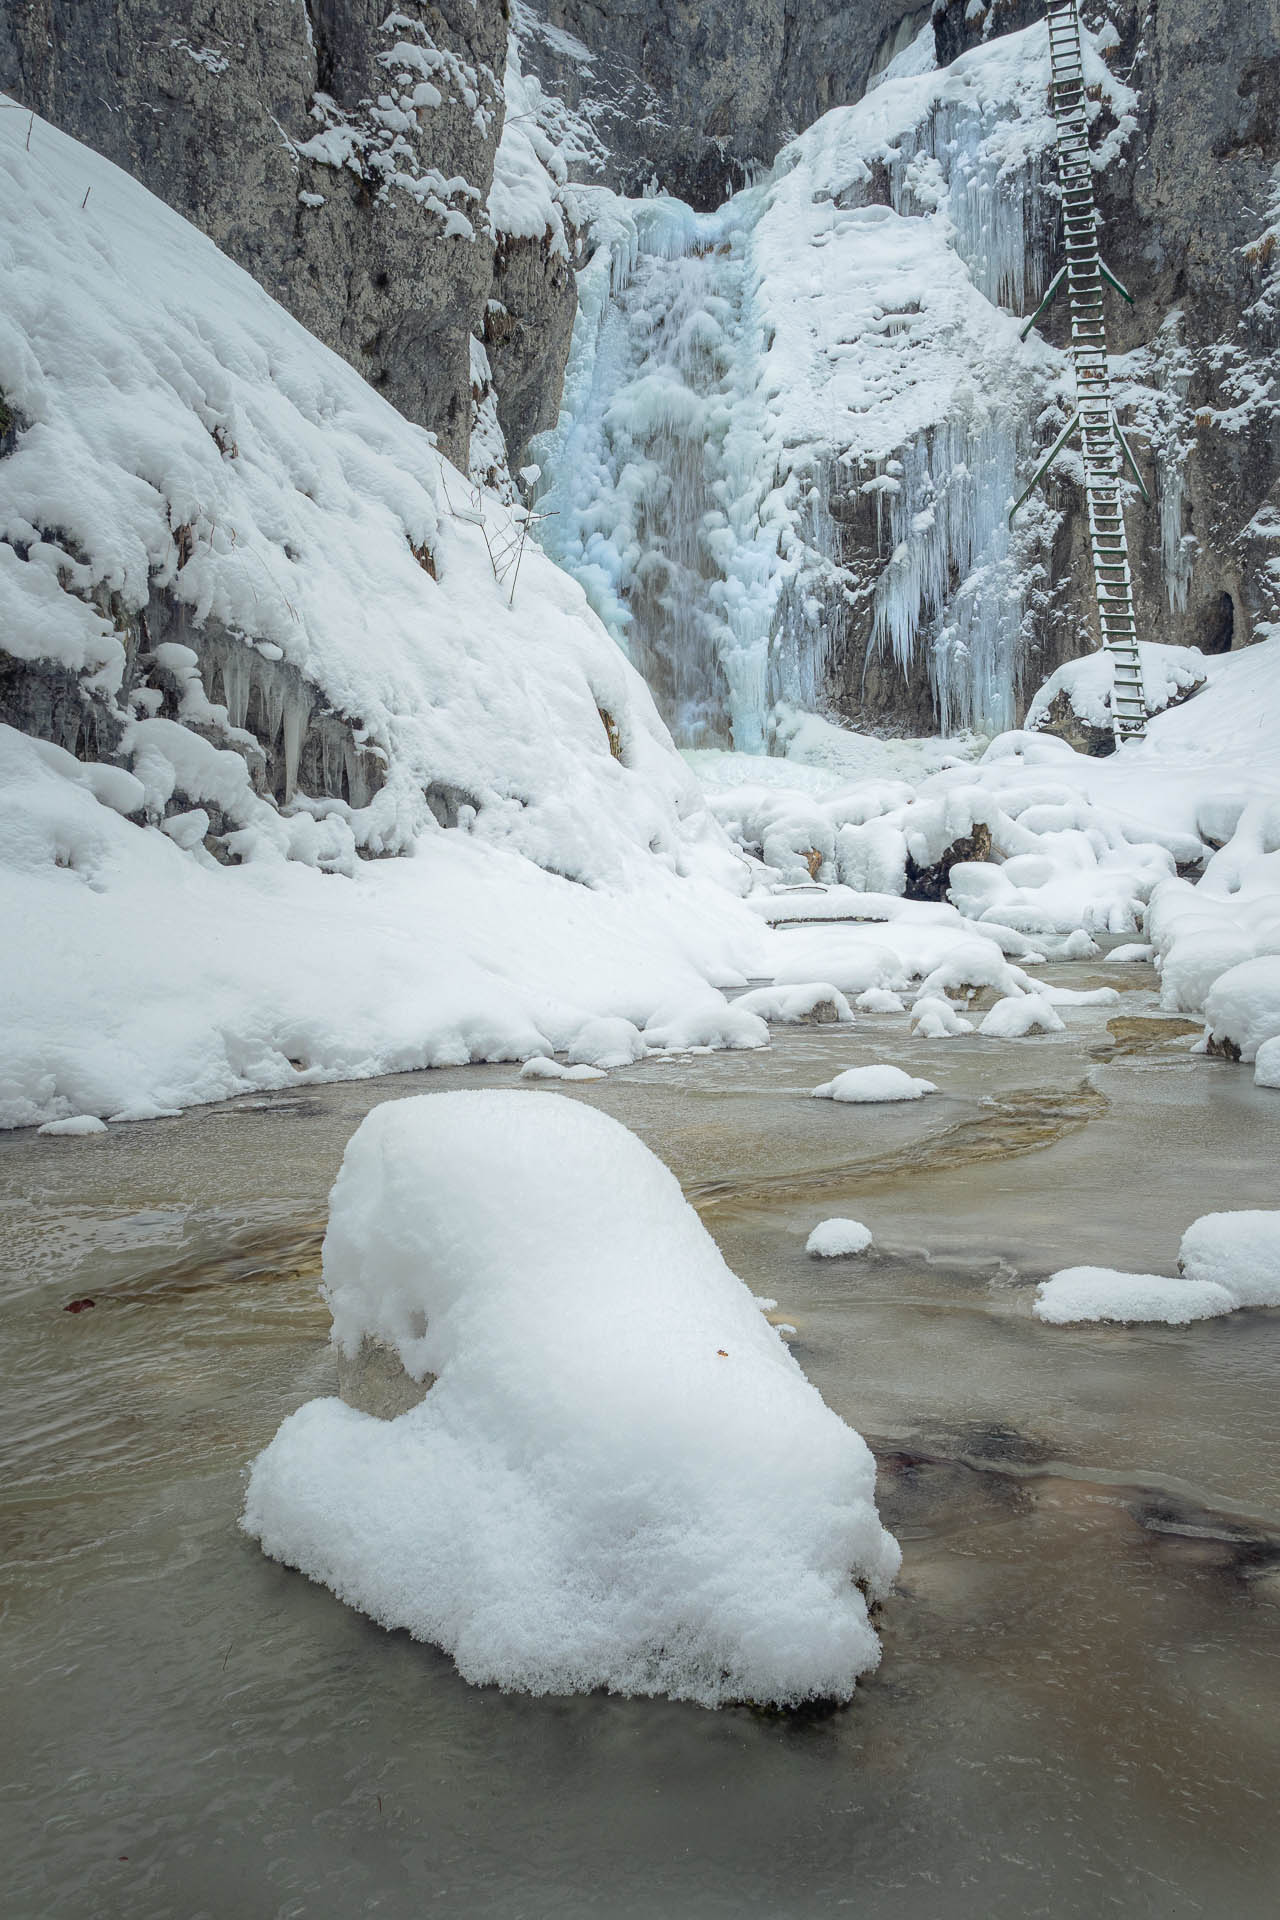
(792, 428)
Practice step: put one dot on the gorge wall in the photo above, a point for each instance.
(349, 157)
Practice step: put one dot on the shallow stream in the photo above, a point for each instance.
(1078, 1710)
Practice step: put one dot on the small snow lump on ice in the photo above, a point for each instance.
(1080, 1294)
(833, 1239)
(620, 1478)
(867, 1084)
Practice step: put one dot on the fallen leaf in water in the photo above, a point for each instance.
(77, 1306)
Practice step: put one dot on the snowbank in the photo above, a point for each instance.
(620, 1477)
(834, 1239)
(872, 1084)
(205, 511)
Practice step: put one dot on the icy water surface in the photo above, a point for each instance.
(1078, 1711)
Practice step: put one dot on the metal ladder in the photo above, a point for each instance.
(1104, 445)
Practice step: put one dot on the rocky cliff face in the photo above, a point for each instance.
(693, 98)
(342, 153)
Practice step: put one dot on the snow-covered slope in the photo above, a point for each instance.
(230, 568)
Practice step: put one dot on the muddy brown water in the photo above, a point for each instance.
(1078, 1709)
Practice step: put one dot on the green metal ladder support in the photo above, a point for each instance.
(1104, 445)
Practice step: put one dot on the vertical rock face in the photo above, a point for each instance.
(342, 153)
(694, 96)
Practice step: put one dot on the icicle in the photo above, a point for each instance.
(237, 678)
(295, 719)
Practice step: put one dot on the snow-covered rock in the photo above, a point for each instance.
(835, 1239)
(1242, 1007)
(605, 1043)
(813, 1004)
(74, 1127)
(1238, 1251)
(857, 1085)
(1080, 1294)
(933, 1017)
(620, 1477)
(1014, 1019)
(1075, 702)
(1227, 1260)
(542, 1067)
(1266, 1067)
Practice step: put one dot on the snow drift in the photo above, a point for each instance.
(620, 1477)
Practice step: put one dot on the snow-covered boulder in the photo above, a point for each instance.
(1014, 1019)
(933, 1017)
(1242, 1007)
(1239, 1251)
(607, 1042)
(1266, 1067)
(869, 1085)
(811, 1005)
(836, 1239)
(1075, 702)
(620, 1477)
(543, 1067)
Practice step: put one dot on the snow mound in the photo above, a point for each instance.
(620, 1477)
(879, 1000)
(75, 1126)
(1266, 1071)
(873, 1084)
(812, 1004)
(834, 1239)
(934, 1018)
(542, 1067)
(1080, 1294)
(1238, 1251)
(1015, 1019)
(704, 1020)
(607, 1043)
(1132, 950)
